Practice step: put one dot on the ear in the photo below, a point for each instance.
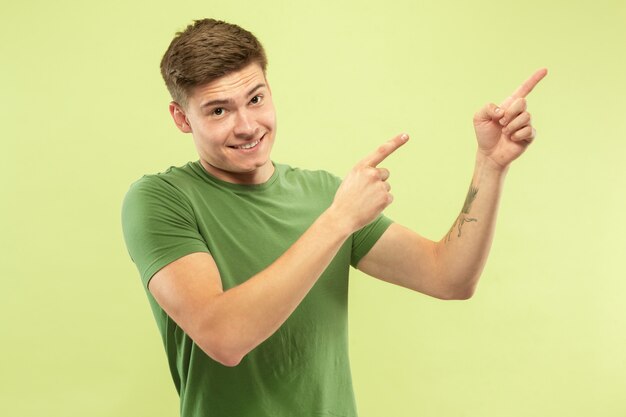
(180, 118)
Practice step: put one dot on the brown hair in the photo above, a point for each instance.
(205, 51)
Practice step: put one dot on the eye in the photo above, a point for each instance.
(256, 99)
(218, 111)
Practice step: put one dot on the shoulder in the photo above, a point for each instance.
(174, 177)
(174, 181)
(163, 189)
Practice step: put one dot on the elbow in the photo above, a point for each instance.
(219, 341)
(463, 295)
(221, 354)
(450, 287)
(223, 347)
(220, 350)
(228, 360)
(458, 292)
(457, 296)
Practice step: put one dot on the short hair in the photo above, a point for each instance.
(205, 51)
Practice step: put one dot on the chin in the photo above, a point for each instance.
(256, 167)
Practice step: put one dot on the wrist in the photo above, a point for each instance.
(332, 220)
(487, 166)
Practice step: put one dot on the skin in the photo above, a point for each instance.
(450, 268)
(243, 114)
(229, 324)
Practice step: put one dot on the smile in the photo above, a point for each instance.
(248, 145)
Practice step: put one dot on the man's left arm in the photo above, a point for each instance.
(451, 267)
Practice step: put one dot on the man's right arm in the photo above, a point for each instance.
(227, 325)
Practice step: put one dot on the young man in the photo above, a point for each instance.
(246, 261)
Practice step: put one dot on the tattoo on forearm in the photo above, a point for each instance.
(471, 196)
(463, 217)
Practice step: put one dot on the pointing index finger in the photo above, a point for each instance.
(528, 85)
(385, 150)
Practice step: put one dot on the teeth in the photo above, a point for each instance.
(249, 145)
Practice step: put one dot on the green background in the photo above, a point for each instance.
(84, 113)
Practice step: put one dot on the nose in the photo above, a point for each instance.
(245, 125)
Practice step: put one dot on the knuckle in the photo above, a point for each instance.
(371, 173)
(523, 134)
(526, 117)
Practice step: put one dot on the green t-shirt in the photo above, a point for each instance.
(301, 370)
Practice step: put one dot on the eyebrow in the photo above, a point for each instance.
(228, 101)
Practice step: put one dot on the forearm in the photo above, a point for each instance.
(242, 317)
(462, 252)
(250, 313)
(229, 324)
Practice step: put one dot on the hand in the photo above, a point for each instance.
(504, 132)
(364, 192)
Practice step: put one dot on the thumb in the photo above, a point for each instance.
(488, 113)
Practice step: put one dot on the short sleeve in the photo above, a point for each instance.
(364, 239)
(159, 226)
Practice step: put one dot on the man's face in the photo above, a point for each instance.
(233, 123)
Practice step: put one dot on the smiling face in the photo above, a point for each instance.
(233, 124)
